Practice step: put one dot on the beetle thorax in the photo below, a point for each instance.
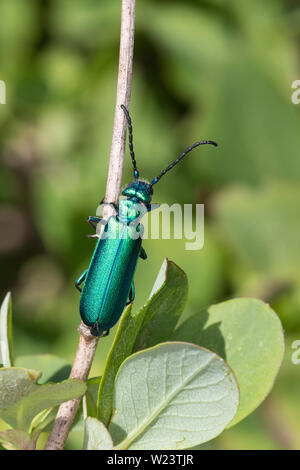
(130, 210)
(138, 197)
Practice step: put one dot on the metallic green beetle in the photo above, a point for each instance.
(108, 281)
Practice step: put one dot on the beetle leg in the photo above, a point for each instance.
(93, 221)
(102, 203)
(80, 280)
(93, 236)
(96, 331)
(143, 253)
(131, 294)
(152, 207)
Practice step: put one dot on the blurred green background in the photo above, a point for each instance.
(211, 69)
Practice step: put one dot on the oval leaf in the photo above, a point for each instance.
(53, 368)
(13, 439)
(96, 436)
(248, 334)
(21, 399)
(46, 396)
(172, 396)
(15, 384)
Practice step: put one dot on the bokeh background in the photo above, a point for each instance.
(210, 69)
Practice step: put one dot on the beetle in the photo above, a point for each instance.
(108, 282)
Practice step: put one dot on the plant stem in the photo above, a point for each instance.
(88, 343)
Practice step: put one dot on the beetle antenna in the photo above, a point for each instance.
(202, 142)
(130, 138)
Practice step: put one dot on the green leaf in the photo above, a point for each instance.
(96, 436)
(166, 303)
(47, 396)
(158, 318)
(41, 421)
(21, 399)
(92, 396)
(247, 333)
(120, 349)
(172, 396)
(6, 332)
(87, 406)
(15, 384)
(3, 425)
(14, 439)
(53, 368)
